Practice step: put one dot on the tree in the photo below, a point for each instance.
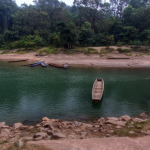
(130, 33)
(117, 7)
(86, 36)
(7, 9)
(68, 34)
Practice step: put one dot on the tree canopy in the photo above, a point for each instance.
(85, 23)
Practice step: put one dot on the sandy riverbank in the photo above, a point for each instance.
(93, 60)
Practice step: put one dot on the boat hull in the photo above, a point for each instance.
(97, 90)
(35, 64)
(63, 66)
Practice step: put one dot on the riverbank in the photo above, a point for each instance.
(53, 130)
(137, 60)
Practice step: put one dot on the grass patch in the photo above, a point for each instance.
(129, 54)
(79, 50)
(3, 142)
(90, 51)
(6, 52)
(106, 50)
(49, 50)
(123, 50)
(34, 130)
(133, 130)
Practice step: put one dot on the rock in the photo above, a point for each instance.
(146, 132)
(58, 135)
(5, 127)
(41, 135)
(45, 119)
(125, 118)
(28, 138)
(12, 135)
(110, 131)
(112, 118)
(24, 127)
(31, 127)
(20, 144)
(53, 120)
(38, 125)
(95, 131)
(43, 129)
(48, 125)
(131, 132)
(120, 123)
(85, 125)
(17, 125)
(77, 124)
(113, 122)
(143, 115)
(101, 120)
(49, 132)
(83, 135)
(101, 124)
(138, 120)
(38, 138)
(118, 127)
(2, 124)
(96, 126)
(5, 132)
(72, 136)
(49, 137)
(107, 135)
(77, 130)
(116, 123)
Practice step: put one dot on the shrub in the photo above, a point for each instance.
(120, 43)
(135, 43)
(30, 41)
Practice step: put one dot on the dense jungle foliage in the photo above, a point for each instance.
(85, 23)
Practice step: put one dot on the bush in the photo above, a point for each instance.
(30, 41)
(135, 43)
(119, 44)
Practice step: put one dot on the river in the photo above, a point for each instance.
(28, 94)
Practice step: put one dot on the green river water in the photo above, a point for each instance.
(28, 94)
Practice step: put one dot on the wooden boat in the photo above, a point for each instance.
(36, 64)
(18, 60)
(98, 89)
(118, 58)
(43, 64)
(64, 66)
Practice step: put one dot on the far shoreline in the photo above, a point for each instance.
(82, 60)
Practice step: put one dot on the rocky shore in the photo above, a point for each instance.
(54, 129)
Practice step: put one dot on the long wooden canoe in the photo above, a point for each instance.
(98, 89)
(63, 66)
(118, 58)
(18, 60)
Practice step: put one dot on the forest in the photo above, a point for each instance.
(85, 23)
